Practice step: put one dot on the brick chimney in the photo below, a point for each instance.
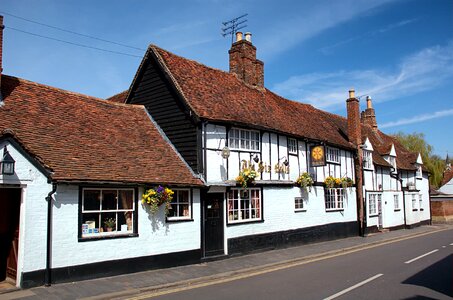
(1, 56)
(243, 61)
(354, 125)
(368, 116)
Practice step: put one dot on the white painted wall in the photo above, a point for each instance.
(279, 213)
(155, 235)
(33, 211)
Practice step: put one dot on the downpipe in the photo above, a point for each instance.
(47, 275)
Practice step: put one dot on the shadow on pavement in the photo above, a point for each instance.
(437, 277)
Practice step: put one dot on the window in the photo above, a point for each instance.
(414, 201)
(367, 160)
(292, 146)
(392, 161)
(333, 155)
(107, 212)
(419, 171)
(244, 205)
(396, 202)
(372, 204)
(420, 201)
(244, 139)
(334, 198)
(180, 206)
(299, 204)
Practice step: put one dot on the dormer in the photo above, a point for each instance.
(367, 155)
(418, 165)
(391, 158)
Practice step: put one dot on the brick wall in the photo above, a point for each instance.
(442, 211)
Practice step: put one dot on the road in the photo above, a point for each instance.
(417, 268)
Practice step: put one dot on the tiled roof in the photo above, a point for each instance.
(448, 175)
(118, 98)
(81, 138)
(220, 96)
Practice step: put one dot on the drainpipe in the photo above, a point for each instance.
(47, 276)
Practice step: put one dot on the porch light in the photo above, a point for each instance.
(256, 158)
(286, 163)
(7, 163)
(225, 152)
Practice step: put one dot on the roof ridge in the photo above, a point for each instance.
(60, 90)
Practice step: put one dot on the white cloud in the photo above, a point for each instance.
(422, 71)
(419, 118)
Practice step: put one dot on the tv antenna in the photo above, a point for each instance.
(232, 26)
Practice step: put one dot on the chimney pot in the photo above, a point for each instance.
(248, 37)
(238, 36)
(351, 93)
(368, 102)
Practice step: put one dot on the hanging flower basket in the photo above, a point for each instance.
(332, 182)
(156, 197)
(246, 177)
(305, 181)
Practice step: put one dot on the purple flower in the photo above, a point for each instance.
(160, 189)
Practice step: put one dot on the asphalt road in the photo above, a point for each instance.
(418, 268)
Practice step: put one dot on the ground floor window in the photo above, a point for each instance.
(299, 204)
(180, 208)
(414, 201)
(334, 198)
(396, 202)
(244, 205)
(373, 200)
(420, 201)
(107, 211)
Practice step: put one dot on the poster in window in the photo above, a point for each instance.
(317, 156)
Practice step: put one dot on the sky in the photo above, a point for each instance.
(398, 52)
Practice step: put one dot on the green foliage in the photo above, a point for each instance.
(415, 142)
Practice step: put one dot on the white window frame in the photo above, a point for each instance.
(101, 211)
(176, 201)
(333, 155)
(396, 202)
(237, 215)
(334, 198)
(373, 200)
(244, 139)
(420, 201)
(419, 172)
(414, 201)
(299, 204)
(292, 146)
(367, 160)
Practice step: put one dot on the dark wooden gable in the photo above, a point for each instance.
(153, 89)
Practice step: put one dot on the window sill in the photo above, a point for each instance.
(334, 209)
(398, 209)
(178, 220)
(414, 209)
(300, 210)
(333, 162)
(107, 237)
(243, 222)
(373, 215)
(421, 209)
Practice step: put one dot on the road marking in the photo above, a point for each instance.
(421, 256)
(353, 287)
(451, 244)
(444, 246)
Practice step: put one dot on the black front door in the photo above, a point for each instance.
(213, 224)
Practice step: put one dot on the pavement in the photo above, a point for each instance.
(130, 285)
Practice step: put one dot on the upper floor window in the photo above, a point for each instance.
(180, 206)
(367, 160)
(392, 161)
(334, 198)
(333, 155)
(244, 205)
(419, 171)
(292, 146)
(243, 139)
(107, 212)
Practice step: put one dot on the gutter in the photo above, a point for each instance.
(47, 276)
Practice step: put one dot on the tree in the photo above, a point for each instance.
(415, 142)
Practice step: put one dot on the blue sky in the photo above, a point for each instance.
(400, 52)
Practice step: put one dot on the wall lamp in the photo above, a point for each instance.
(7, 163)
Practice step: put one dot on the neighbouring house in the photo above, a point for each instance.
(442, 198)
(70, 201)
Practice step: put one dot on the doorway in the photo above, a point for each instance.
(10, 199)
(213, 224)
(379, 205)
